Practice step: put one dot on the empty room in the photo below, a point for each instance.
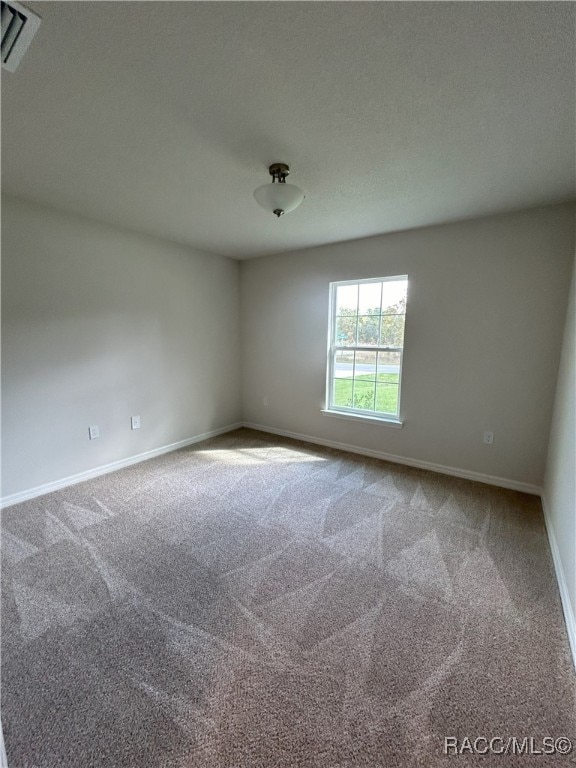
(288, 384)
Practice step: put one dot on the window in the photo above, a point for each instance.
(366, 345)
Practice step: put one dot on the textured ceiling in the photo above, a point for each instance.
(164, 116)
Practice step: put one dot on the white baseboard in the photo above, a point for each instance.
(466, 474)
(3, 758)
(569, 617)
(41, 490)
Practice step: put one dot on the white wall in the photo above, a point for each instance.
(486, 307)
(560, 483)
(100, 324)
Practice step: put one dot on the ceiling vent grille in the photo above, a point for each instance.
(19, 25)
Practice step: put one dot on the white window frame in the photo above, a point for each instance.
(360, 414)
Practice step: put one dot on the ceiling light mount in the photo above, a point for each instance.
(279, 171)
(278, 196)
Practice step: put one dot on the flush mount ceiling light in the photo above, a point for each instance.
(278, 197)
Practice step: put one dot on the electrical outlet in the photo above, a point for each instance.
(265, 402)
(93, 432)
(488, 438)
(136, 422)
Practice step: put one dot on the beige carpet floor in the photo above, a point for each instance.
(254, 602)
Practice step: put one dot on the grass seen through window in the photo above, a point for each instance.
(368, 393)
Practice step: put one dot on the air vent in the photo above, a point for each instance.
(19, 25)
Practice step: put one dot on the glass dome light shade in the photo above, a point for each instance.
(282, 197)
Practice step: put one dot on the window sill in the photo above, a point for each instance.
(385, 422)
